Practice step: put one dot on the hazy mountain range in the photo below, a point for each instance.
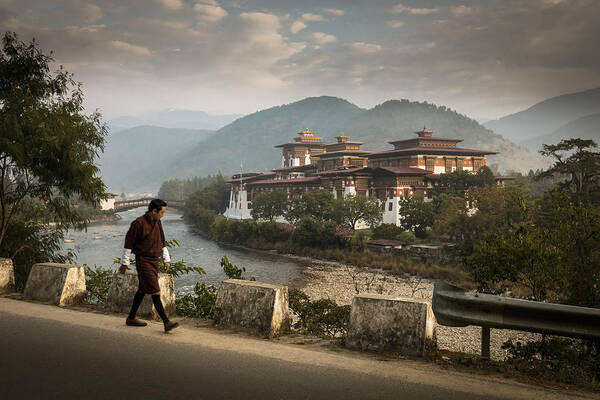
(551, 120)
(140, 158)
(129, 155)
(188, 119)
(587, 127)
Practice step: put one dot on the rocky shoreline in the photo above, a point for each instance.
(341, 283)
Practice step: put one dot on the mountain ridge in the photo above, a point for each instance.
(545, 117)
(249, 140)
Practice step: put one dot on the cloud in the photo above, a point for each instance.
(130, 48)
(399, 8)
(395, 23)
(362, 47)
(297, 26)
(333, 11)
(322, 38)
(210, 12)
(85, 28)
(308, 17)
(172, 5)
(462, 10)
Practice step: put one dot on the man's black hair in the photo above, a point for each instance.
(156, 204)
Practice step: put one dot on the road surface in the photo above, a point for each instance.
(47, 352)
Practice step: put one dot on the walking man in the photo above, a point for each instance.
(146, 239)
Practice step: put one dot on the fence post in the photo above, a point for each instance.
(485, 342)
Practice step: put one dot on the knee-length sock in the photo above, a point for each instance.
(159, 307)
(137, 300)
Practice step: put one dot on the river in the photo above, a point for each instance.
(101, 243)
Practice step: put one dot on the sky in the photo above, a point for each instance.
(484, 59)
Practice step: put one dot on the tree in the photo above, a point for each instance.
(48, 147)
(317, 204)
(458, 182)
(269, 205)
(523, 255)
(417, 215)
(576, 231)
(557, 257)
(575, 160)
(353, 209)
(494, 209)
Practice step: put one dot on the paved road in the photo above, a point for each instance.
(52, 353)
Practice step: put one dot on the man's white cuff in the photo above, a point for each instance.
(165, 255)
(125, 257)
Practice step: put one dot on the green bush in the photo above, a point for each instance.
(233, 271)
(393, 232)
(315, 233)
(359, 239)
(568, 361)
(322, 317)
(272, 232)
(199, 304)
(97, 283)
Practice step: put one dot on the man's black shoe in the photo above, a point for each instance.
(170, 325)
(135, 322)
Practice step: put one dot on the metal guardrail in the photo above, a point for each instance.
(453, 306)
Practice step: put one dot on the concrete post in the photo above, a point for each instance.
(61, 284)
(124, 286)
(7, 276)
(391, 324)
(257, 307)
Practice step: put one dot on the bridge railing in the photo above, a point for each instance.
(120, 205)
(453, 306)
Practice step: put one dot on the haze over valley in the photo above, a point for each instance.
(135, 159)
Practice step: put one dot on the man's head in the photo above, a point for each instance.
(157, 208)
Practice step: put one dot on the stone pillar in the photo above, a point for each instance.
(391, 324)
(61, 284)
(256, 307)
(7, 276)
(124, 286)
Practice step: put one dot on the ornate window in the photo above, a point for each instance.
(459, 164)
(476, 165)
(430, 164)
(448, 165)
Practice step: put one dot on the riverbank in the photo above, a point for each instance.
(104, 219)
(341, 283)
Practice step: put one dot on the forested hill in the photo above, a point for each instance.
(546, 117)
(399, 119)
(132, 155)
(250, 140)
(585, 128)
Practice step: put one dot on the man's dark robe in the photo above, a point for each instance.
(146, 240)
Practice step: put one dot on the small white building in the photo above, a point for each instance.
(108, 203)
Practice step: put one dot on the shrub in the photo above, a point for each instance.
(314, 233)
(97, 283)
(233, 271)
(199, 304)
(393, 232)
(272, 232)
(570, 361)
(359, 239)
(322, 317)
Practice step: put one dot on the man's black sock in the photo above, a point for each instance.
(159, 307)
(137, 300)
